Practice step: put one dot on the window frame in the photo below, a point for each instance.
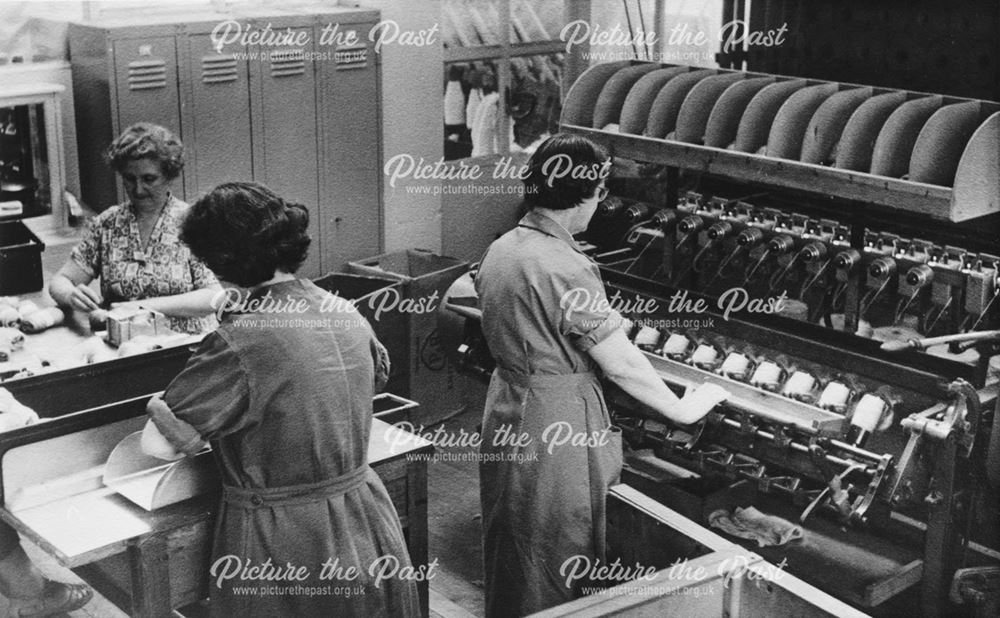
(501, 54)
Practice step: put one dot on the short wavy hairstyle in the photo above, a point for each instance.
(564, 171)
(244, 232)
(145, 140)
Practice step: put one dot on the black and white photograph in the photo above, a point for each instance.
(499, 308)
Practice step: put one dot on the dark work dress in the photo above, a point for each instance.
(287, 407)
(543, 501)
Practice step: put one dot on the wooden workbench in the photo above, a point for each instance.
(57, 344)
(150, 563)
(74, 386)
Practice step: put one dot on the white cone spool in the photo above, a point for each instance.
(834, 396)
(735, 364)
(868, 413)
(799, 385)
(676, 344)
(704, 355)
(647, 336)
(767, 374)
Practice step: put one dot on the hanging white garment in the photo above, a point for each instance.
(472, 106)
(454, 103)
(485, 127)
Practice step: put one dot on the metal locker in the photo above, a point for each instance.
(309, 128)
(217, 120)
(146, 88)
(350, 157)
(146, 82)
(285, 149)
(123, 72)
(92, 108)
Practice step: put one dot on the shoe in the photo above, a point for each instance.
(56, 598)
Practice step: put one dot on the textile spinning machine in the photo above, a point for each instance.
(828, 253)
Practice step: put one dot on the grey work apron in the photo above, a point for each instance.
(543, 503)
(257, 524)
(252, 498)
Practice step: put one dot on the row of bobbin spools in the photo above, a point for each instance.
(867, 411)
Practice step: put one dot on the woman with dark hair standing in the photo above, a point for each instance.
(549, 326)
(134, 248)
(283, 391)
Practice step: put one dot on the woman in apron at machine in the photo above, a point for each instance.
(283, 391)
(549, 452)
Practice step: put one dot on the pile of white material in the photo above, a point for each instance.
(28, 316)
(10, 339)
(13, 414)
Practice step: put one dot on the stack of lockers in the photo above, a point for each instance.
(301, 116)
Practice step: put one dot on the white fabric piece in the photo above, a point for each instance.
(472, 106)
(485, 134)
(749, 523)
(13, 414)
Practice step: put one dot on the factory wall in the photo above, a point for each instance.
(411, 122)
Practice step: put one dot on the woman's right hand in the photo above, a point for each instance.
(84, 298)
(703, 398)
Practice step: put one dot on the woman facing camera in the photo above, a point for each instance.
(134, 247)
(283, 391)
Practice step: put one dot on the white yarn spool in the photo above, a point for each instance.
(834, 396)
(676, 344)
(768, 374)
(868, 413)
(735, 364)
(799, 385)
(704, 355)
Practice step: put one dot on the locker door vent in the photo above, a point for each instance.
(288, 63)
(147, 74)
(355, 57)
(218, 69)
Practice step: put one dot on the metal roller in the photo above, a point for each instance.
(943, 139)
(894, 145)
(755, 125)
(827, 125)
(609, 104)
(635, 110)
(857, 142)
(667, 105)
(692, 118)
(789, 127)
(578, 109)
(723, 122)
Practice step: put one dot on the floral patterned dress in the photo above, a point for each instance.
(112, 250)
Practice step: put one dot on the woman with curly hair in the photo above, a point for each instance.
(134, 248)
(283, 391)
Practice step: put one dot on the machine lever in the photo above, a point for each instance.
(839, 497)
(923, 344)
